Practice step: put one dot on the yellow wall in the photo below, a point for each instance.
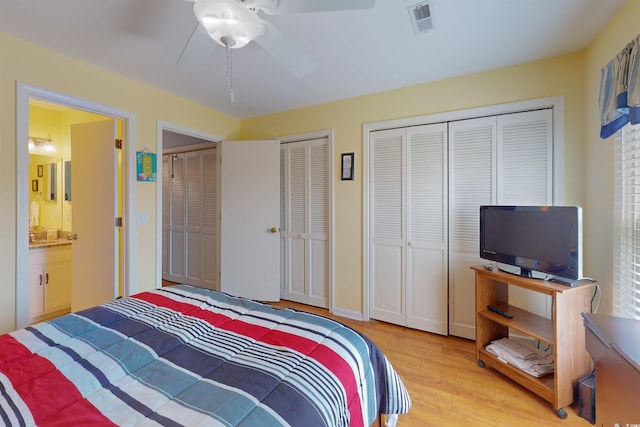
(599, 167)
(35, 66)
(560, 76)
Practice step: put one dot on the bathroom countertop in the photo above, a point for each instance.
(48, 243)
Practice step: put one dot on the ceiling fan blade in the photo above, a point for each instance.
(198, 49)
(284, 51)
(308, 6)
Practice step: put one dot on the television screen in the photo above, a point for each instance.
(547, 239)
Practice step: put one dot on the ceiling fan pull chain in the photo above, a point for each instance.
(229, 74)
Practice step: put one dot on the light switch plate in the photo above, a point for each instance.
(143, 218)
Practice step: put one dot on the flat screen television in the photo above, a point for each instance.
(547, 239)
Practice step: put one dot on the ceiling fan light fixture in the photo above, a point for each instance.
(228, 22)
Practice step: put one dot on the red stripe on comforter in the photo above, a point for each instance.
(44, 389)
(323, 354)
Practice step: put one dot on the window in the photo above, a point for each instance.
(626, 275)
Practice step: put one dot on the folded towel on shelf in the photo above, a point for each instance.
(523, 355)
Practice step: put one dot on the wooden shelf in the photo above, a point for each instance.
(564, 332)
(523, 321)
(543, 386)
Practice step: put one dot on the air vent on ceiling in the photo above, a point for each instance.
(420, 14)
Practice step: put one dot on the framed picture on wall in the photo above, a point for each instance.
(40, 171)
(34, 185)
(346, 169)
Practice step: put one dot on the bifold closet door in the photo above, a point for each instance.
(472, 176)
(304, 221)
(408, 227)
(210, 219)
(173, 226)
(189, 218)
(427, 249)
(505, 160)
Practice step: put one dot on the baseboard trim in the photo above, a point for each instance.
(353, 315)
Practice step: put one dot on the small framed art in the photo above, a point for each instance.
(346, 169)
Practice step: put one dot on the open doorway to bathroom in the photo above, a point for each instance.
(52, 205)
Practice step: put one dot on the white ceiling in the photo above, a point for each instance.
(356, 52)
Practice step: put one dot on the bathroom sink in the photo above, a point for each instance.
(41, 243)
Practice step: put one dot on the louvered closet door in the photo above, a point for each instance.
(525, 166)
(387, 225)
(209, 219)
(427, 250)
(297, 213)
(193, 253)
(165, 216)
(525, 158)
(283, 222)
(190, 218)
(472, 148)
(408, 234)
(305, 221)
(318, 242)
(505, 160)
(177, 239)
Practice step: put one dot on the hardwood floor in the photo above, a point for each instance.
(446, 385)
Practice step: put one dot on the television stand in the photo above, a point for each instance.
(564, 332)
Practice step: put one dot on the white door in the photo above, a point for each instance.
(388, 226)
(189, 218)
(409, 227)
(208, 253)
(427, 245)
(472, 174)
(305, 185)
(493, 160)
(94, 258)
(250, 214)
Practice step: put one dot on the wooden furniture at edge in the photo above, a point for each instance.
(615, 349)
(564, 332)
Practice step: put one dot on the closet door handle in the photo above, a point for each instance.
(41, 280)
(47, 276)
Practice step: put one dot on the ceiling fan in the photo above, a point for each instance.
(234, 23)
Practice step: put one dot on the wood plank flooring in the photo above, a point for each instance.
(446, 385)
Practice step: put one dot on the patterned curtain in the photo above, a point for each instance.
(620, 90)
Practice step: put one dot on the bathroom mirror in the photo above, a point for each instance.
(51, 181)
(67, 180)
(48, 171)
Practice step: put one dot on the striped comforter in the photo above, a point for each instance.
(188, 356)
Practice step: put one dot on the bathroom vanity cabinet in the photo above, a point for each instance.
(49, 282)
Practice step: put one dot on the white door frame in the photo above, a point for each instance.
(24, 93)
(328, 133)
(161, 126)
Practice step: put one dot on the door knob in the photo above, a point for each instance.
(73, 236)
(273, 230)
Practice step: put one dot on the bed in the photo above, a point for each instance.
(183, 355)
